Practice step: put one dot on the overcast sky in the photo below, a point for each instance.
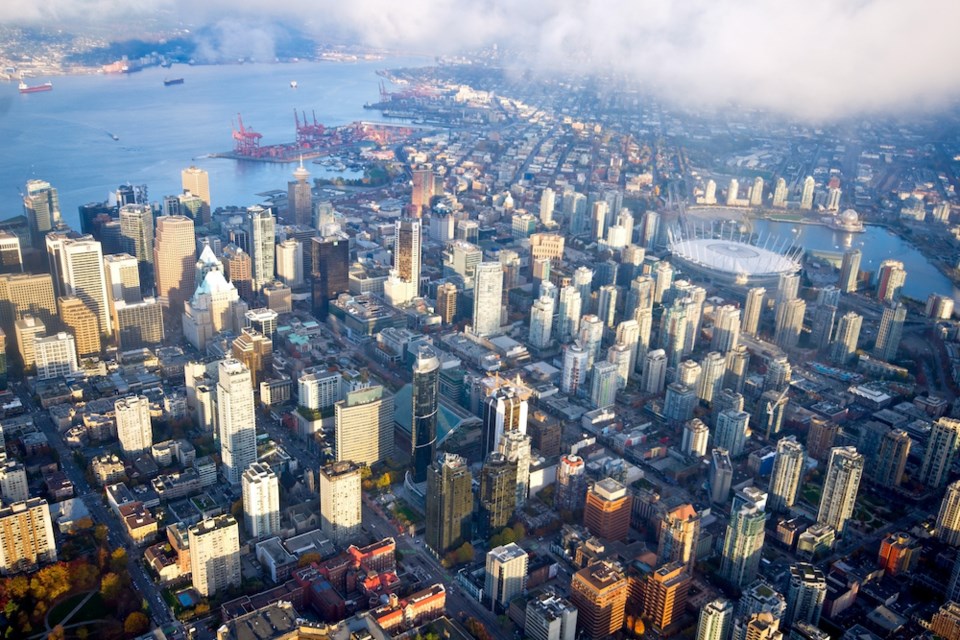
(817, 59)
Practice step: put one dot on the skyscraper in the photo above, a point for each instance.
(547, 199)
(174, 258)
(261, 501)
(515, 446)
(731, 431)
(498, 493)
(11, 258)
(56, 355)
(568, 313)
(604, 382)
(738, 359)
(487, 299)
(789, 323)
(26, 536)
(726, 328)
(840, 486)
(695, 438)
(806, 197)
(300, 198)
(716, 618)
(83, 277)
(423, 188)
(891, 460)
(778, 374)
(82, 324)
(255, 351)
(846, 338)
(779, 196)
(136, 236)
(941, 452)
(575, 368)
(756, 192)
(890, 331)
(449, 509)
(330, 271)
(363, 426)
(806, 592)
(591, 337)
(290, 263)
(606, 512)
(261, 227)
(236, 419)
(742, 545)
(340, 502)
(42, 208)
(679, 536)
(215, 554)
(28, 330)
(447, 294)
(665, 594)
(550, 617)
(197, 182)
(237, 268)
(821, 325)
(948, 518)
(506, 578)
(426, 397)
(788, 467)
(713, 368)
(752, 310)
(139, 325)
(890, 278)
(133, 426)
(599, 592)
(504, 409)
(571, 483)
(123, 277)
(850, 270)
(541, 322)
(404, 282)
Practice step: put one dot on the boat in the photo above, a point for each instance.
(25, 88)
(172, 81)
(293, 84)
(113, 135)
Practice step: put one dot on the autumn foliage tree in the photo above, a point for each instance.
(137, 623)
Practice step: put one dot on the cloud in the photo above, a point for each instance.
(814, 59)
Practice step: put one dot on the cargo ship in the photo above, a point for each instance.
(25, 88)
(172, 81)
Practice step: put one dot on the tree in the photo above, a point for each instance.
(519, 531)
(384, 482)
(465, 553)
(309, 558)
(365, 472)
(110, 587)
(57, 633)
(136, 623)
(118, 560)
(100, 533)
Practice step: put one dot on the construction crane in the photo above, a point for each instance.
(771, 407)
(246, 141)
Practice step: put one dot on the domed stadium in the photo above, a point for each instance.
(734, 260)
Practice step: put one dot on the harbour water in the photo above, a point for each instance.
(92, 133)
(877, 244)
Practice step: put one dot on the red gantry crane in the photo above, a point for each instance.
(246, 141)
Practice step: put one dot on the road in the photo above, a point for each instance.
(94, 500)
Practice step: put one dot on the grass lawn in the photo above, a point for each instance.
(62, 608)
(94, 609)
